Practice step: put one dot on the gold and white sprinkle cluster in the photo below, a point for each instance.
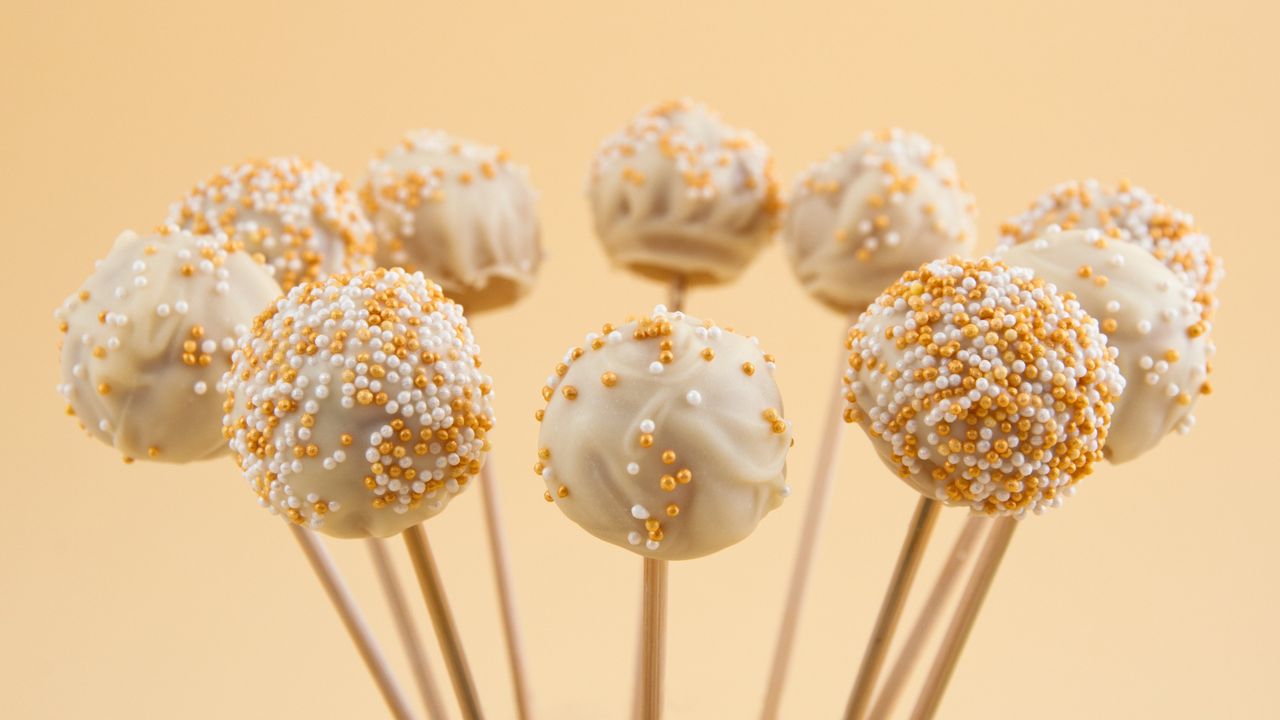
(981, 386)
(300, 217)
(1127, 212)
(356, 404)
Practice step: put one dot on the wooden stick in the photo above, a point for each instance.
(342, 601)
(394, 593)
(984, 572)
(895, 598)
(655, 631)
(502, 580)
(424, 565)
(929, 613)
(811, 527)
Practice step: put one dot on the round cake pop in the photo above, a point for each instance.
(864, 216)
(460, 212)
(679, 194)
(1127, 213)
(1148, 315)
(981, 386)
(356, 404)
(664, 436)
(148, 337)
(299, 216)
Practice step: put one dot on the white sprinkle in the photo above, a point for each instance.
(638, 512)
(694, 397)
(647, 426)
(655, 367)
(633, 468)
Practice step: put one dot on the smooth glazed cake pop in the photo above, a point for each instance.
(1148, 315)
(664, 436)
(460, 212)
(148, 337)
(981, 386)
(356, 404)
(861, 218)
(301, 217)
(1126, 213)
(677, 193)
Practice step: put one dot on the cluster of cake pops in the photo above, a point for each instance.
(316, 333)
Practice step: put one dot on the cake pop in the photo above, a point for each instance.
(677, 193)
(149, 335)
(299, 216)
(1127, 212)
(460, 212)
(356, 404)
(1148, 315)
(665, 436)
(864, 216)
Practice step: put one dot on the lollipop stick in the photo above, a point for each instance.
(342, 601)
(932, 609)
(424, 565)
(815, 513)
(655, 632)
(404, 626)
(502, 579)
(975, 592)
(895, 599)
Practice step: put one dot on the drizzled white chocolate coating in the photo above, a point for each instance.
(299, 216)
(148, 337)
(864, 216)
(1128, 213)
(356, 404)
(460, 212)
(1147, 313)
(677, 193)
(664, 436)
(980, 386)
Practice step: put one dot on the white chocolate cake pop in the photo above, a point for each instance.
(460, 212)
(861, 218)
(1127, 213)
(664, 436)
(1147, 313)
(301, 217)
(149, 336)
(356, 404)
(980, 386)
(677, 193)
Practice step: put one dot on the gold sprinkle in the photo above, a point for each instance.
(668, 483)
(669, 456)
(646, 440)
(570, 392)
(563, 492)
(609, 379)
(673, 510)
(547, 496)
(748, 368)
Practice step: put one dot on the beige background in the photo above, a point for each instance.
(161, 591)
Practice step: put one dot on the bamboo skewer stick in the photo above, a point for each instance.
(815, 514)
(975, 592)
(655, 631)
(897, 678)
(356, 627)
(424, 566)
(506, 594)
(895, 598)
(394, 593)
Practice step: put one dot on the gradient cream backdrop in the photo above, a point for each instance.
(158, 591)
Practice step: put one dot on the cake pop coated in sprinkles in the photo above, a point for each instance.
(356, 404)
(301, 217)
(1129, 213)
(981, 386)
(460, 212)
(677, 193)
(674, 464)
(864, 216)
(1148, 315)
(148, 337)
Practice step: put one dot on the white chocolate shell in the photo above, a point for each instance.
(149, 336)
(665, 437)
(861, 218)
(461, 213)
